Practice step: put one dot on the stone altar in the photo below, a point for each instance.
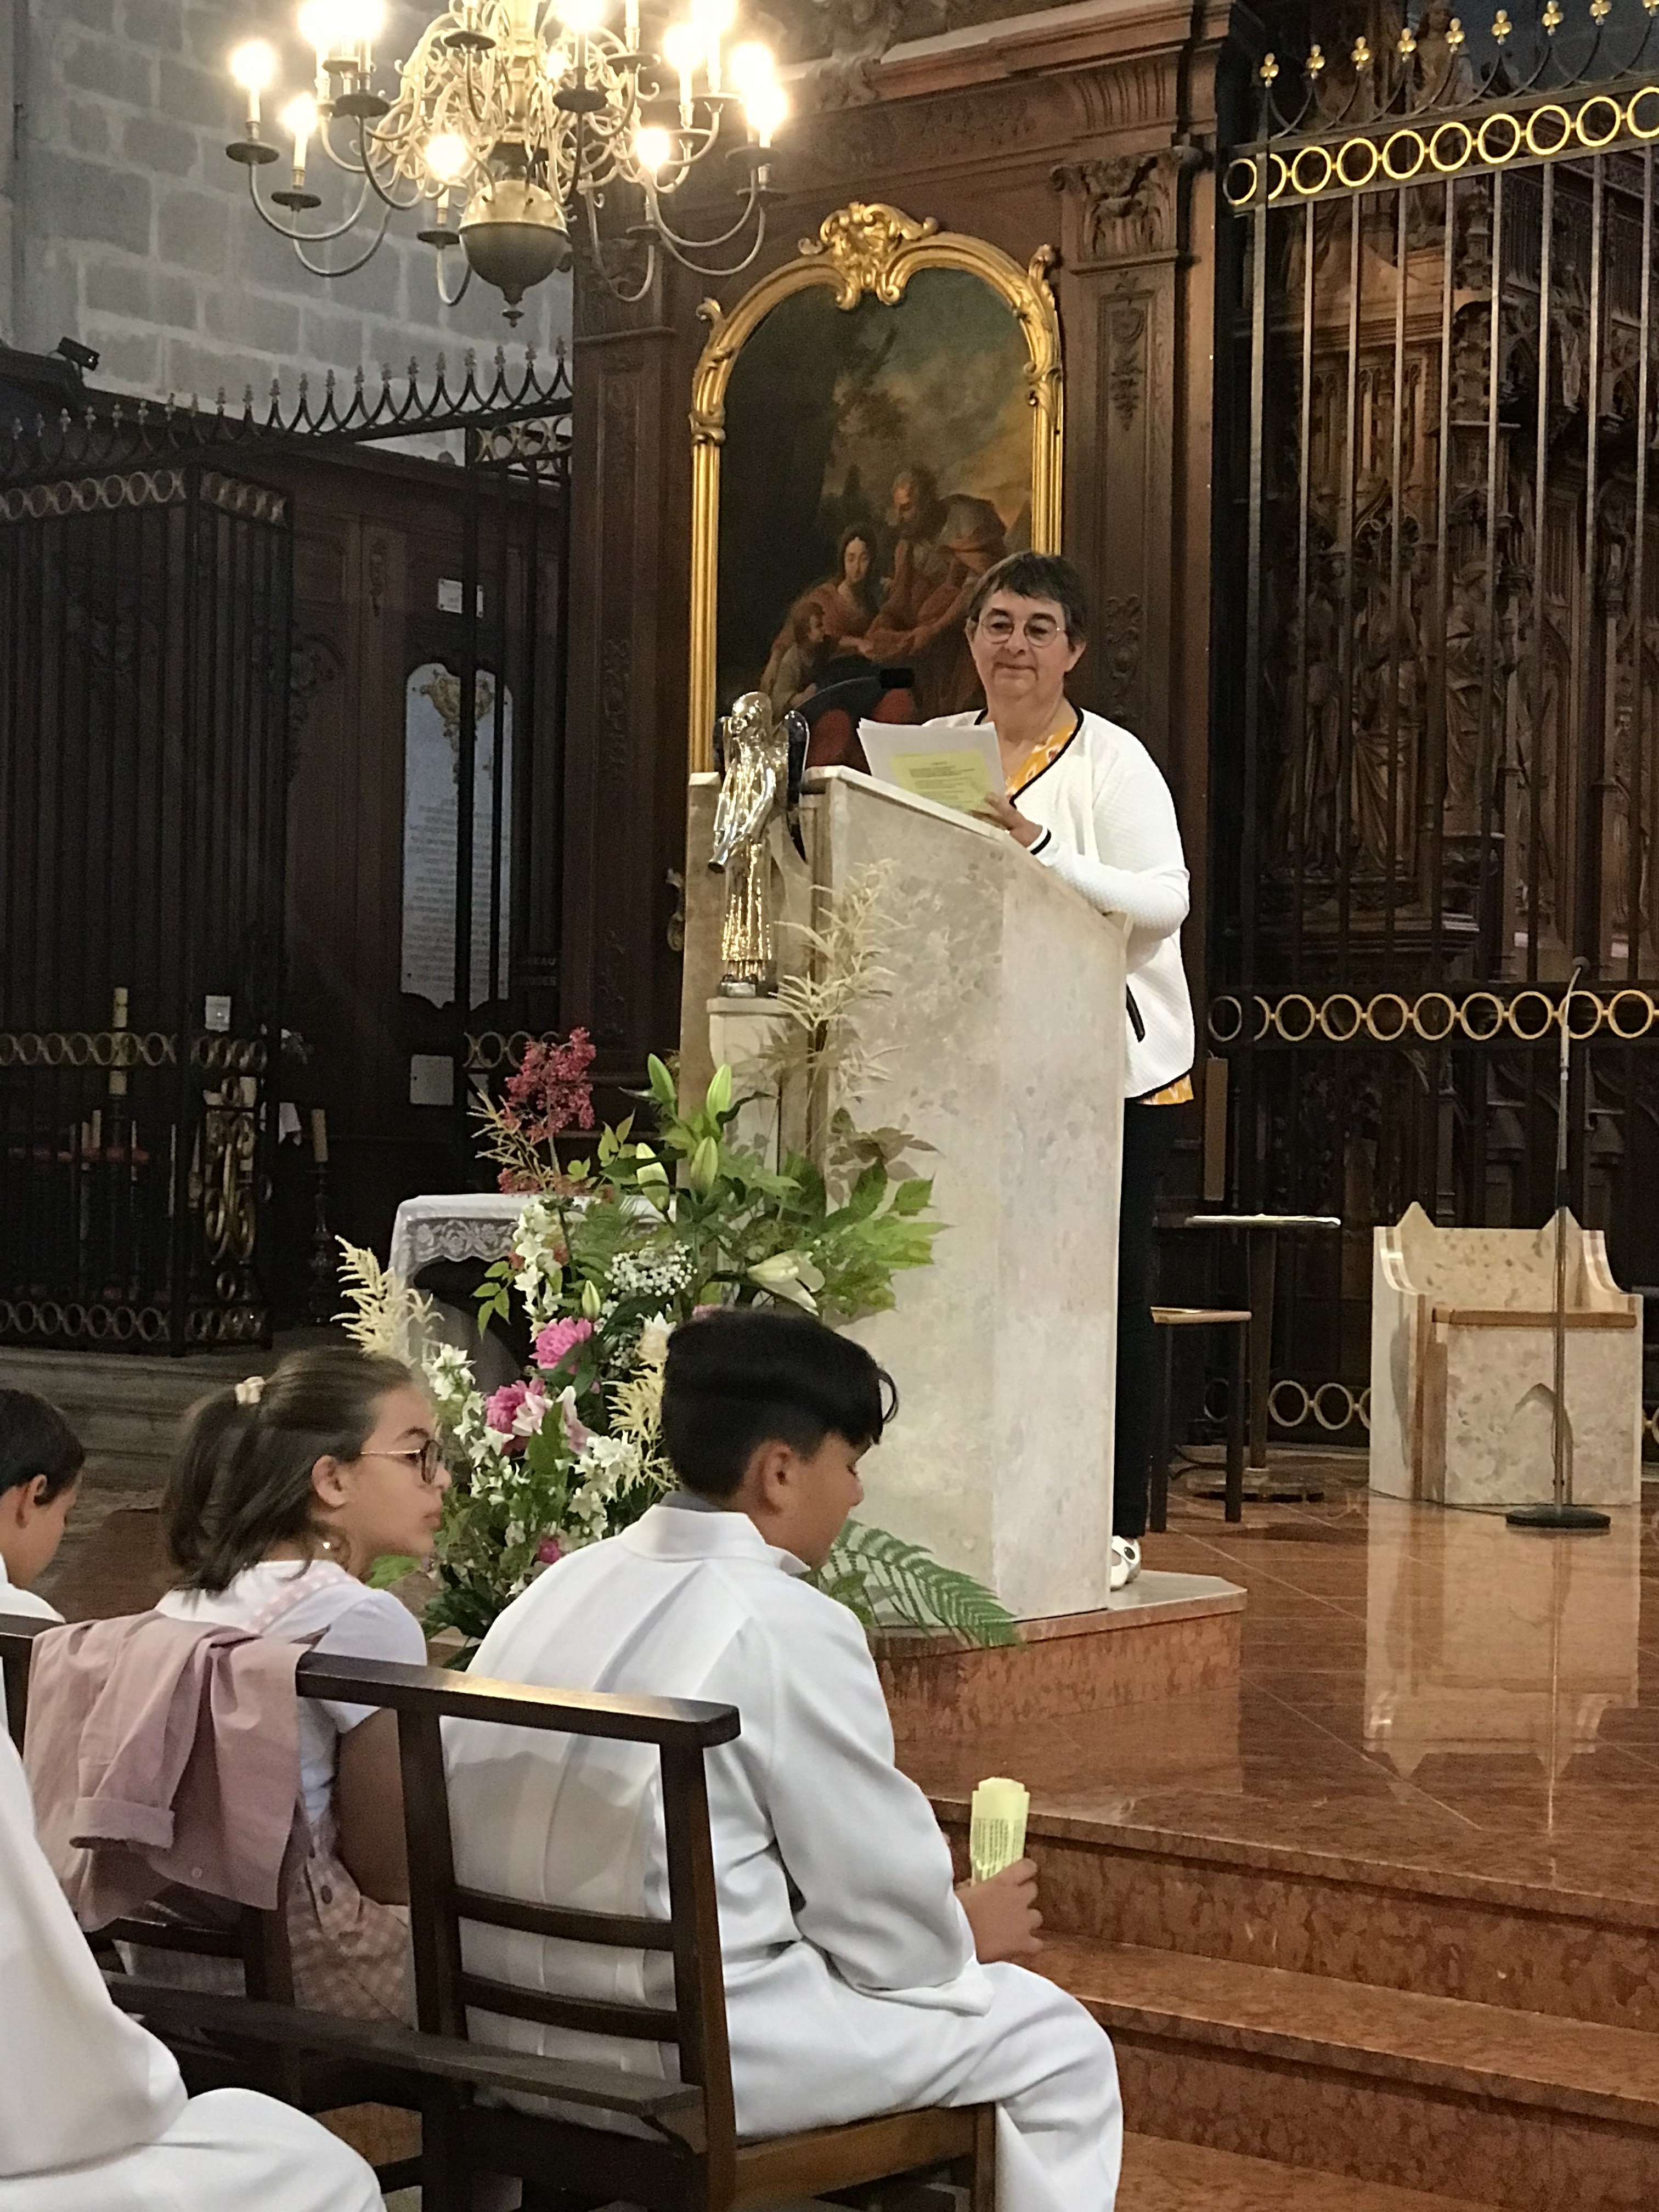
(1001, 1043)
(1462, 1366)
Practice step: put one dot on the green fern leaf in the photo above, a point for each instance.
(889, 1583)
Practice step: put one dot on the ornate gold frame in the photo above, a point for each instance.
(859, 249)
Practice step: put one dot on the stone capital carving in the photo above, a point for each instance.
(1130, 202)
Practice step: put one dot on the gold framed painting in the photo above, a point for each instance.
(873, 425)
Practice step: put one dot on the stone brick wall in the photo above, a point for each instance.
(122, 224)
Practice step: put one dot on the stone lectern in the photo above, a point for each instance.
(1000, 1042)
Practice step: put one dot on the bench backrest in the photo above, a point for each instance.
(422, 1697)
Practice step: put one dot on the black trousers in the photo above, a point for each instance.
(1149, 1134)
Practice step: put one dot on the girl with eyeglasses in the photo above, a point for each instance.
(1085, 798)
(285, 1491)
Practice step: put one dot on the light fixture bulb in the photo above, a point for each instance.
(253, 66)
(682, 47)
(750, 68)
(360, 21)
(581, 16)
(446, 154)
(766, 108)
(298, 117)
(322, 29)
(651, 148)
(714, 18)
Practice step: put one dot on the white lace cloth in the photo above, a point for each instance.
(455, 1226)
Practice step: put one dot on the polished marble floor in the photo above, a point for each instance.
(1426, 1688)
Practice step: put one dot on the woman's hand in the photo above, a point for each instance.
(1003, 1913)
(1002, 811)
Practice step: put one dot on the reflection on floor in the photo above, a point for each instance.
(1384, 1918)
(1419, 1685)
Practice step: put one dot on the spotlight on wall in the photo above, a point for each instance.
(83, 357)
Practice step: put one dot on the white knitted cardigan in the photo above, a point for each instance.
(1111, 833)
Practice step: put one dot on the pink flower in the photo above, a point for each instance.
(550, 1090)
(516, 1412)
(558, 1338)
(577, 1435)
(548, 1552)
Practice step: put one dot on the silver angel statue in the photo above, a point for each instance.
(761, 760)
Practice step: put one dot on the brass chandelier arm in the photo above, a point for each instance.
(297, 237)
(348, 268)
(680, 248)
(452, 299)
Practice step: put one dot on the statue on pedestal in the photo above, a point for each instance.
(761, 759)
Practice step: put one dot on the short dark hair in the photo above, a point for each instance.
(241, 1481)
(1037, 576)
(754, 1375)
(36, 1440)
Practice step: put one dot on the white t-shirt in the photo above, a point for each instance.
(15, 1600)
(344, 1618)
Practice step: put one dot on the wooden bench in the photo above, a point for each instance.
(687, 2158)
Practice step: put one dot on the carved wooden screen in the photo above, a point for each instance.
(1444, 744)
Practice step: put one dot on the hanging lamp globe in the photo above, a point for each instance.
(513, 236)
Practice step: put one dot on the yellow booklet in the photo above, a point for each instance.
(996, 1826)
(954, 766)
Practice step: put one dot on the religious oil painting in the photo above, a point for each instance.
(877, 461)
(877, 424)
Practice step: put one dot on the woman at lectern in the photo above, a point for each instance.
(1085, 798)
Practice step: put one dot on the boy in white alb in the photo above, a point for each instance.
(857, 1981)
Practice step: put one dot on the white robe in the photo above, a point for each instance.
(852, 1987)
(93, 2116)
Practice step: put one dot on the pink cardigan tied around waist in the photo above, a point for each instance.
(162, 1751)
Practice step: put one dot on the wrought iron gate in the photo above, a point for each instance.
(145, 671)
(1445, 747)
(143, 706)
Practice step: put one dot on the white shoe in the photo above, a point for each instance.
(1126, 1560)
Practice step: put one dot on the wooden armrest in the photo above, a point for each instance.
(674, 2108)
(513, 1704)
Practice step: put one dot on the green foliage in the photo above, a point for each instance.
(889, 1583)
(389, 1569)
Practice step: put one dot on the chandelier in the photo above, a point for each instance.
(513, 125)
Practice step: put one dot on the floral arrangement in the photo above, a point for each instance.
(610, 1257)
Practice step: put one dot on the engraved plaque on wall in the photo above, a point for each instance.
(432, 744)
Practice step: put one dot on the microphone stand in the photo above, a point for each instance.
(1561, 1515)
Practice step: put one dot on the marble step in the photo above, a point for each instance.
(1178, 2177)
(1457, 2099)
(1529, 1945)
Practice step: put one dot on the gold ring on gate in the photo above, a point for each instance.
(1365, 145)
(1481, 999)
(1598, 100)
(1345, 999)
(1550, 108)
(1532, 1036)
(1321, 152)
(1388, 1036)
(1647, 92)
(1228, 1036)
(1439, 1034)
(1255, 174)
(1296, 999)
(1644, 1006)
(1437, 159)
(1413, 138)
(1517, 140)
